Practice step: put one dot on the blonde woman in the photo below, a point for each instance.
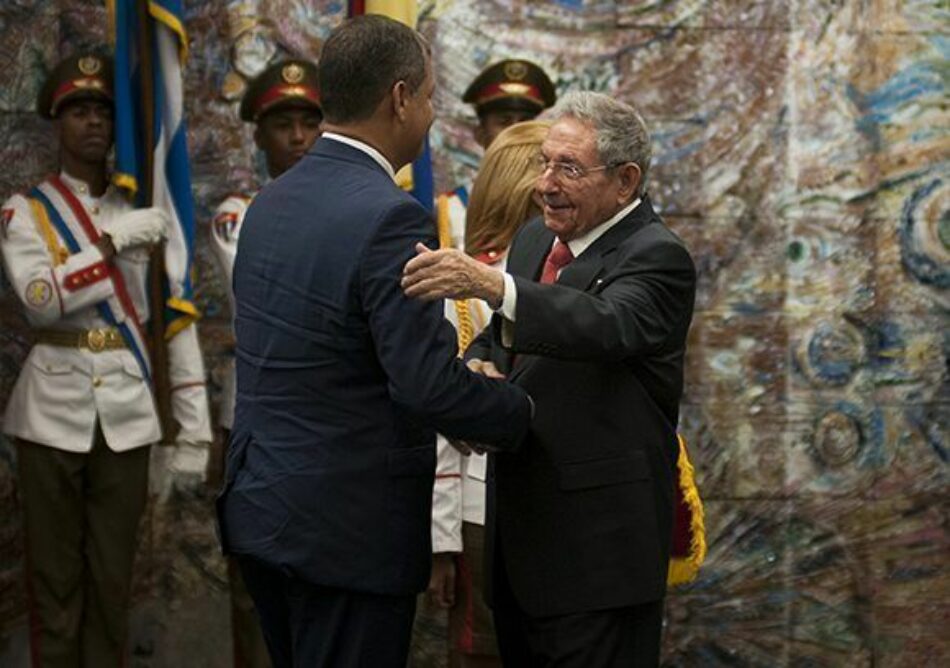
(503, 199)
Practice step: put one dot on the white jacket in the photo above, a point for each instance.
(225, 229)
(61, 392)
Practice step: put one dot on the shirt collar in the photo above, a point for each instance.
(79, 186)
(583, 242)
(365, 148)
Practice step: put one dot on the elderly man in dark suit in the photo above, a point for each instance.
(591, 320)
(341, 379)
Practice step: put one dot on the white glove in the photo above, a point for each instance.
(190, 459)
(180, 468)
(137, 228)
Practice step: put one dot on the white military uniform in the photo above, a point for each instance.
(459, 491)
(225, 230)
(63, 391)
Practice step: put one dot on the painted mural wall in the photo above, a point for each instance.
(802, 151)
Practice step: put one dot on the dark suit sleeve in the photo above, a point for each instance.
(417, 349)
(481, 348)
(645, 299)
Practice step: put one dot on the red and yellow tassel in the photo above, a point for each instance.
(689, 529)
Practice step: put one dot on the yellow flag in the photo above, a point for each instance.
(405, 11)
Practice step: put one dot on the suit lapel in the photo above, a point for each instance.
(526, 261)
(590, 264)
(583, 271)
(529, 261)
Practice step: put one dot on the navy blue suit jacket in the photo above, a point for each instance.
(342, 382)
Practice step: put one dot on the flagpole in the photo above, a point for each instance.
(158, 347)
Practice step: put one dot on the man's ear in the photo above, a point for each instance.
(400, 94)
(629, 174)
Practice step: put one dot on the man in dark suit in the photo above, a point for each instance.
(591, 320)
(341, 379)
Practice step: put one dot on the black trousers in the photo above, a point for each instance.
(627, 637)
(81, 516)
(311, 626)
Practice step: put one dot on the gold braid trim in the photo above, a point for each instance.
(57, 252)
(465, 328)
(685, 569)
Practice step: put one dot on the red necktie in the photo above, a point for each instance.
(559, 257)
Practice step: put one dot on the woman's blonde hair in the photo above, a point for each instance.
(502, 197)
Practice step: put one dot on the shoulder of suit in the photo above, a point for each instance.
(656, 243)
(533, 228)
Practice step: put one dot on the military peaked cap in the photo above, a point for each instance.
(85, 75)
(289, 83)
(511, 84)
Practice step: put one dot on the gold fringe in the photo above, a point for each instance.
(126, 182)
(57, 252)
(161, 14)
(466, 329)
(684, 569)
(404, 178)
(189, 314)
(110, 20)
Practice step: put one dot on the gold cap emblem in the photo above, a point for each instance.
(89, 65)
(292, 73)
(516, 70)
(515, 88)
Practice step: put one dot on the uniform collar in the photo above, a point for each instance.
(80, 187)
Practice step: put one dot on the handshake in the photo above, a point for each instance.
(489, 370)
(142, 227)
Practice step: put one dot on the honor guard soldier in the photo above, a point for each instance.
(284, 104)
(508, 92)
(82, 412)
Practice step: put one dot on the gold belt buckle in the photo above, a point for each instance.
(96, 339)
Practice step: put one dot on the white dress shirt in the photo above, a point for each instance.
(509, 302)
(365, 148)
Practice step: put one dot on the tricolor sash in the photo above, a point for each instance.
(72, 223)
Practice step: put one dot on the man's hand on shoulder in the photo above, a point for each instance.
(451, 274)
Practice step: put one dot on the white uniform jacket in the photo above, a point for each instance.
(459, 491)
(225, 229)
(62, 391)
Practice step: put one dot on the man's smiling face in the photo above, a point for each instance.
(574, 206)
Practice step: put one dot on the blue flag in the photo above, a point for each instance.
(162, 101)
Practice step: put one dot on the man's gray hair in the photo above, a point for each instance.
(621, 133)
